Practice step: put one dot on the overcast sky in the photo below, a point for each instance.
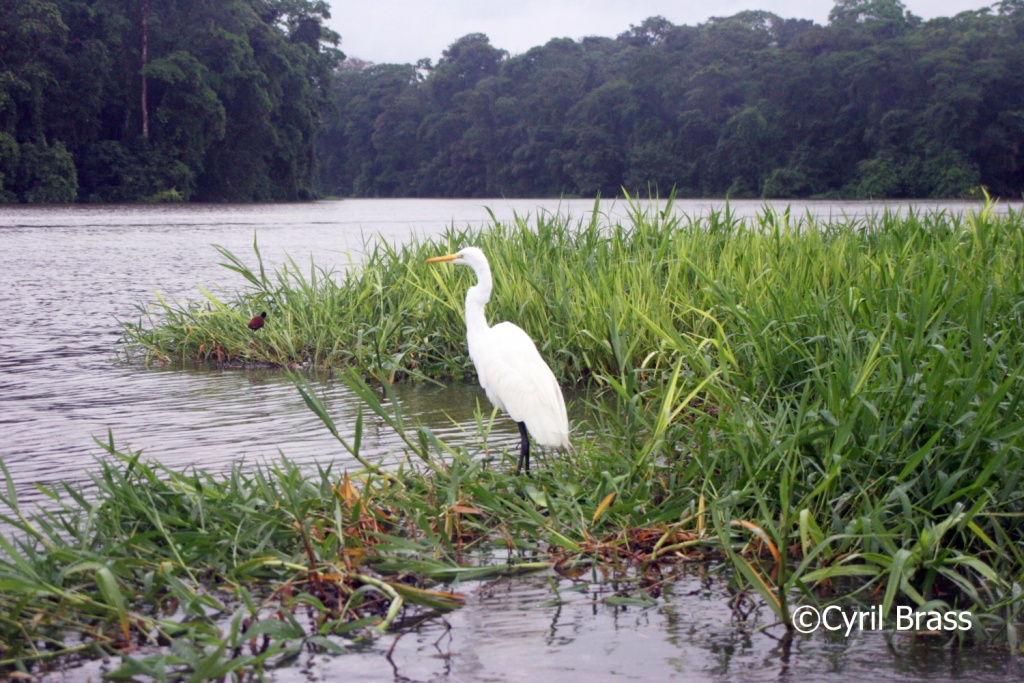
(403, 31)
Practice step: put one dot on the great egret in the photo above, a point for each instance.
(257, 322)
(511, 371)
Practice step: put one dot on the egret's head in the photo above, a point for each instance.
(469, 256)
(480, 293)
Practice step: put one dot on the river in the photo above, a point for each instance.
(71, 273)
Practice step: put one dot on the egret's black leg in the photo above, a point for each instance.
(524, 449)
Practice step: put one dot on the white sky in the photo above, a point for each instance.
(403, 31)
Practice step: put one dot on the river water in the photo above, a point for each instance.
(70, 273)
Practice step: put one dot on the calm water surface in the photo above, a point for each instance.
(71, 273)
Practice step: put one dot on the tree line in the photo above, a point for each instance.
(877, 103)
(251, 100)
(129, 100)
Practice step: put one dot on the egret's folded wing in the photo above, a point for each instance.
(518, 381)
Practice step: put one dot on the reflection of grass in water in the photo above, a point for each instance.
(833, 408)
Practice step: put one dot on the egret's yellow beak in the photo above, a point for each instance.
(443, 259)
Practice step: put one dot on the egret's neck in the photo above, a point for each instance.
(476, 298)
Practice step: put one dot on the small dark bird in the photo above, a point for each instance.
(257, 322)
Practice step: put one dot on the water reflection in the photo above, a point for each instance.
(511, 631)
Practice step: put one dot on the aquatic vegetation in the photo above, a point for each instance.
(832, 408)
(183, 574)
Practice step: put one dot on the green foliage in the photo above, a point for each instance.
(47, 174)
(223, 104)
(835, 409)
(209, 576)
(877, 103)
(786, 182)
(248, 102)
(10, 160)
(856, 384)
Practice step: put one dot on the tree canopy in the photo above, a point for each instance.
(245, 100)
(125, 100)
(877, 103)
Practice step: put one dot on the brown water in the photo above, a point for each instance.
(70, 273)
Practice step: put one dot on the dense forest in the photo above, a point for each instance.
(875, 104)
(249, 100)
(128, 100)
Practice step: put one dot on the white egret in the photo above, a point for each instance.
(511, 370)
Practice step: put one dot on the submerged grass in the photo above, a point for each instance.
(833, 407)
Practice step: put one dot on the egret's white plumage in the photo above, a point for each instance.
(511, 370)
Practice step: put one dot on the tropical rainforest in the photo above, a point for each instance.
(243, 100)
(129, 100)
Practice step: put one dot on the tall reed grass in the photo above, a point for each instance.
(831, 407)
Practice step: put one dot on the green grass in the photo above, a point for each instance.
(833, 409)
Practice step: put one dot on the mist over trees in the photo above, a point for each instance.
(128, 100)
(250, 100)
(875, 104)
